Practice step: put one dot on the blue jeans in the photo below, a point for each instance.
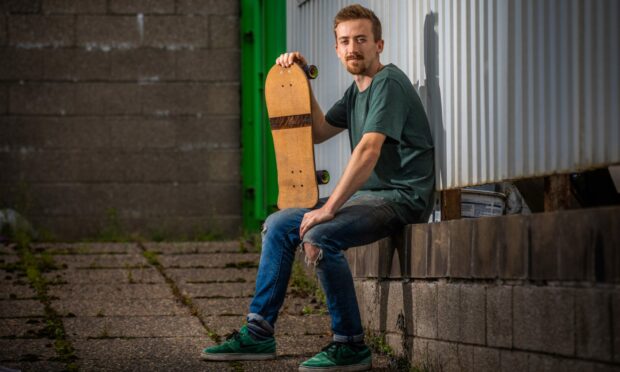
(363, 219)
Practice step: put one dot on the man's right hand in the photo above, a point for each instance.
(288, 59)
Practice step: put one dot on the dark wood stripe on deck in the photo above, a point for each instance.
(293, 121)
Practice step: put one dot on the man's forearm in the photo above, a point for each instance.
(321, 130)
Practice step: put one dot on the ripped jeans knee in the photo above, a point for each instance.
(314, 261)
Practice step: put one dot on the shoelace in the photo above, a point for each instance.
(332, 347)
(233, 335)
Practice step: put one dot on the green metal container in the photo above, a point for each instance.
(263, 38)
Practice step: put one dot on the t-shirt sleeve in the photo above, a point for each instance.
(337, 115)
(388, 109)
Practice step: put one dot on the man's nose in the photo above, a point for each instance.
(352, 49)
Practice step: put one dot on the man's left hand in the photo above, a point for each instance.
(312, 218)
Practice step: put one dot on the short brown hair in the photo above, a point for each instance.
(357, 11)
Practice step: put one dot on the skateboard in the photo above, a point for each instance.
(287, 95)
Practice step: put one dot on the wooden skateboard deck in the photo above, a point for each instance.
(287, 94)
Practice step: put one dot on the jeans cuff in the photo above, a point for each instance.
(348, 339)
(257, 318)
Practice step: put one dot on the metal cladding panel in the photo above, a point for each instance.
(512, 88)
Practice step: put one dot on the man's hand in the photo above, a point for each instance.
(312, 218)
(288, 59)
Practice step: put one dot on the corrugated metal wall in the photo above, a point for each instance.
(513, 88)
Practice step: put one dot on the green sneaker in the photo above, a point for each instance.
(241, 346)
(339, 357)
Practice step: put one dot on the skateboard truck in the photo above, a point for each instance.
(312, 72)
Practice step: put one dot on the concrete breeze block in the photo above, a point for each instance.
(593, 324)
(41, 31)
(396, 306)
(437, 259)
(206, 7)
(544, 319)
(448, 311)
(419, 238)
(472, 327)
(513, 254)
(486, 359)
(425, 309)
(74, 6)
(499, 316)
(488, 240)
(459, 257)
(108, 32)
(177, 32)
(141, 6)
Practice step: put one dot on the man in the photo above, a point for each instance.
(388, 183)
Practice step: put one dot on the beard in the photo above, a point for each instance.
(357, 66)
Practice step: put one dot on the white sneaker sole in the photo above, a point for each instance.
(236, 356)
(353, 367)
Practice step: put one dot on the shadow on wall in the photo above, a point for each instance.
(430, 94)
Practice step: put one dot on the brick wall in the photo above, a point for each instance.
(126, 108)
(538, 292)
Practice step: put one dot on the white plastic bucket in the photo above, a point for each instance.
(480, 203)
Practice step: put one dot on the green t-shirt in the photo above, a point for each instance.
(405, 172)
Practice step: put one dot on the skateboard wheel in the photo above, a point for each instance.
(311, 71)
(322, 177)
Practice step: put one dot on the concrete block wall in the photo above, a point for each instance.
(123, 106)
(515, 293)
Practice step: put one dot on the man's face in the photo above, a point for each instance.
(356, 45)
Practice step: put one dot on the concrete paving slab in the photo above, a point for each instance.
(96, 261)
(287, 325)
(105, 291)
(194, 247)
(26, 350)
(303, 325)
(119, 307)
(99, 276)
(8, 259)
(281, 364)
(87, 248)
(218, 289)
(21, 308)
(156, 349)
(134, 326)
(301, 345)
(212, 275)
(291, 363)
(296, 306)
(8, 249)
(14, 277)
(153, 364)
(9, 291)
(21, 327)
(47, 366)
(223, 306)
(223, 325)
(222, 260)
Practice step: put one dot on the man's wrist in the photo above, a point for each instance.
(330, 208)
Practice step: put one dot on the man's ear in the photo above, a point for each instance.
(380, 46)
